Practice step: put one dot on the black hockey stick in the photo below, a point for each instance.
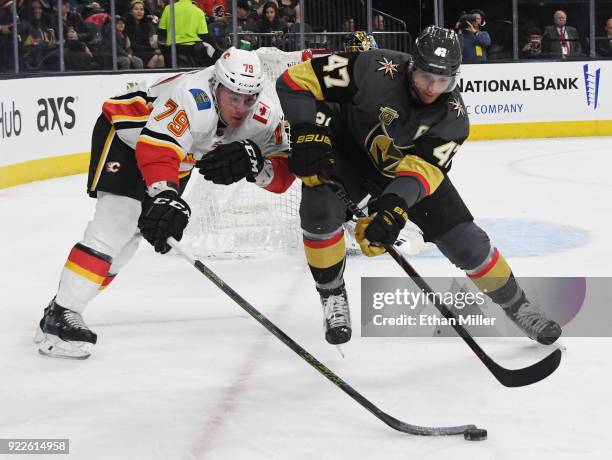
(279, 334)
(507, 377)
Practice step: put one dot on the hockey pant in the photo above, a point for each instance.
(109, 242)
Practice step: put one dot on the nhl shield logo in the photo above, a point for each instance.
(387, 115)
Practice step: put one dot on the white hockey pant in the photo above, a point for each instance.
(109, 242)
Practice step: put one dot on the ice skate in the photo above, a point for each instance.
(337, 321)
(532, 321)
(62, 333)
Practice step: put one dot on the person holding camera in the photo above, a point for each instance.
(474, 42)
(533, 47)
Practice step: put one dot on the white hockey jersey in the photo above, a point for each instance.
(173, 122)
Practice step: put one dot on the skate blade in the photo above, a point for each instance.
(54, 347)
(339, 348)
(39, 336)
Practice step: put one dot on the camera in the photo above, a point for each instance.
(535, 44)
(465, 19)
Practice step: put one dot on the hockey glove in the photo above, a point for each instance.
(310, 152)
(231, 162)
(163, 216)
(382, 228)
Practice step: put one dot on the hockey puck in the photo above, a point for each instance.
(475, 434)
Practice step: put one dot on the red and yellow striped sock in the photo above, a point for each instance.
(326, 257)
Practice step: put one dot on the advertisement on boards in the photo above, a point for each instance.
(53, 116)
(537, 92)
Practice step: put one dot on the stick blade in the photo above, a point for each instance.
(528, 375)
(424, 430)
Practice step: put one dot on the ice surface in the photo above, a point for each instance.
(181, 372)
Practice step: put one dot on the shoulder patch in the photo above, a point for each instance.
(201, 98)
(388, 67)
(457, 105)
(262, 113)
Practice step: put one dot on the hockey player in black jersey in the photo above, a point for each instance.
(400, 123)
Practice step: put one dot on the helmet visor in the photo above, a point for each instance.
(237, 100)
(433, 83)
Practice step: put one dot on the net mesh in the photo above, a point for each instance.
(242, 219)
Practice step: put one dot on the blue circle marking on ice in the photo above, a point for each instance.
(526, 237)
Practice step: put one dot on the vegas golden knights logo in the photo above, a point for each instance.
(383, 152)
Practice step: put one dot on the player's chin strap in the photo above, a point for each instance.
(325, 371)
(507, 377)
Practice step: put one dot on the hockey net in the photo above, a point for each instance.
(243, 219)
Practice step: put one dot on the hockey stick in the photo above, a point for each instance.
(324, 370)
(507, 377)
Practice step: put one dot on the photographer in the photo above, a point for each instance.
(533, 47)
(474, 42)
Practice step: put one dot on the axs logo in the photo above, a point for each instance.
(55, 112)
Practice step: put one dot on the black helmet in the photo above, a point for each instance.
(437, 50)
(358, 41)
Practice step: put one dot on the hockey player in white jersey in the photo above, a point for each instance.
(144, 146)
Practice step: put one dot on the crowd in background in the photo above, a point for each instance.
(141, 31)
(557, 40)
(204, 28)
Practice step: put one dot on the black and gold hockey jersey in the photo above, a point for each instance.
(395, 134)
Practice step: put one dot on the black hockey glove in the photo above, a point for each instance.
(310, 150)
(384, 227)
(231, 162)
(163, 216)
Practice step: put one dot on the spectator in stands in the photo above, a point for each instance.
(154, 9)
(271, 22)
(246, 21)
(77, 36)
(378, 25)
(474, 42)
(604, 44)
(559, 40)
(194, 46)
(246, 17)
(6, 36)
(38, 38)
(125, 55)
(289, 11)
(142, 34)
(213, 8)
(93, 13)
(258, 6)
(533, 48)
(349, 24)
